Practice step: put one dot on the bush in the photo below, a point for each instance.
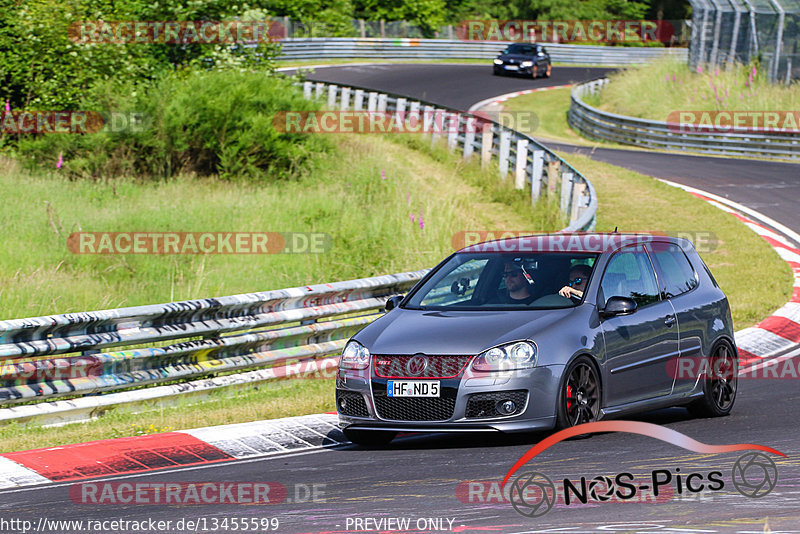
(209, 123)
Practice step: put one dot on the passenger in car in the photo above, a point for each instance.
(578, 276)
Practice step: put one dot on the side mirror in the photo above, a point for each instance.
(393, 302)
(618, 306)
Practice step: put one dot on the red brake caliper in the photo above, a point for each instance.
(569, 396)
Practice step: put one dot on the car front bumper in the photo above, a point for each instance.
(539, 413)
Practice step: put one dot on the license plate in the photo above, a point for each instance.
(412, 388)
(512, 67)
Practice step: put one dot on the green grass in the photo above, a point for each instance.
(369, 220)
(367, 217)
(646, 200)
(551, 109)
(221, 407)
(755, 279)
(655, 90)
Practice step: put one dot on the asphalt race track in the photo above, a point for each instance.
(426, 477)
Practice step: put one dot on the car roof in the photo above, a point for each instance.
(579, 242)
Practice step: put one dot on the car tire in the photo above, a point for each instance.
(580, 395)
(370, 438)
(719, 389)
(496, 72)
(548, 71)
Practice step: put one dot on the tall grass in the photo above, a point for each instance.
(654, 90)
(369, 219)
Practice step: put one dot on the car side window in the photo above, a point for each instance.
(676, 273)
(630, 274)
(458, 287)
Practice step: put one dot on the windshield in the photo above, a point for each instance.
(544, 280)
(524, 49)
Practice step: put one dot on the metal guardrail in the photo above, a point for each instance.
(333, 48)
(601, 125)
(130, 356)
(211, 336)
(533, 165)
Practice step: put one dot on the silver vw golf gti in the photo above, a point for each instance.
(542, 332)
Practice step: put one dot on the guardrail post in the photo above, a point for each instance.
(427, 119)
(307, 90)
(372, 102)
(332, 96)
(553, 176)
(536, 175)
(358, 100)
(470, 123)
(413, 113)
(383, 100)
(439, 125)
(505, 151)
(318, 90)
(452, 132)
(522, 164)
(487, 139)
(400, 111)
(566, 192)
(345, 98)
(578, 192)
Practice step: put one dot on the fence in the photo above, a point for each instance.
(189, 348)
(596, 124)
(335, 48)
(766, 32)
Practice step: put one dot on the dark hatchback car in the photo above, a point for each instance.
(543, 332)
(525, 59)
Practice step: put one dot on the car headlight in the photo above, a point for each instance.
(527, 64)
(498, 61)
(517, 355)
(354, 356)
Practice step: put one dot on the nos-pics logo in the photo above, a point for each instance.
(533, 494)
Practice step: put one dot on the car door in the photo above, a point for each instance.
(676, 279)
(637, 346)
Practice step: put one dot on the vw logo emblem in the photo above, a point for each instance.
(417, 365)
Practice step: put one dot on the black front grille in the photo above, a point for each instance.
(351, 403)
(415, 408)
(485, 404)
